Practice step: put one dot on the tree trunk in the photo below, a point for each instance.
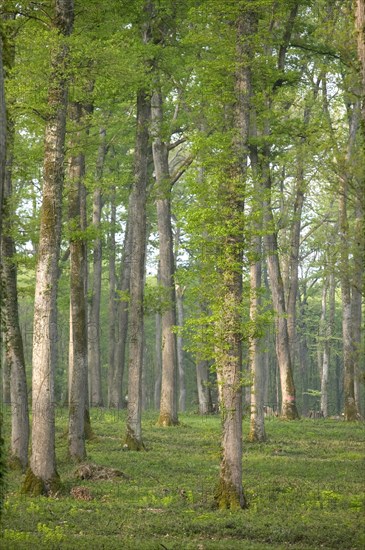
(324, 351)
(158, 364)
(78, 313)
(168, 403)
(360, 30)
(179, 292)
(229, 344)
(14, 354)
(42, 476)
(116, 399)
(256, 354)
(356, 292)
(351, 411)
(137, 219)
(202, 382)
(112, 306)
(2, 131)
(96, 396)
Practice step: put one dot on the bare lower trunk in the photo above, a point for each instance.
(15, 356)
(168, 403)
(158, 364)
(42, 475)
(351, 411)
(112, 306)
(137, 217)
(78, 315)
(179, 348)
(14, 353)
(288, 406)
(256, 355)
(115, 393)
(94, 358)
(356, 295)
(202, 382)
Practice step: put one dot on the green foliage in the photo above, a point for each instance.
(304, 487)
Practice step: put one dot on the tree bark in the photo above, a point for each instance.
(202, 381)
(116, 398)
(351, 411)
(112, 305)
(357, 293)
(78, 312)
(14, 353)
(42, 476)
(229, 493)
(94, 358)
(137, 217)
(256, 354)
(360, 30)
(288, 406)
(158, 364)
(2, 130)
(179, 293)
(168, 402)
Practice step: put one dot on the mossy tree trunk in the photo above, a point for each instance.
(229, 493)
(42, 475)
(359, 6)
(78, 315)
(137, 217)
(2, 129)
(14, 353)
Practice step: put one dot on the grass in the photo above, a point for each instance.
(305, 488)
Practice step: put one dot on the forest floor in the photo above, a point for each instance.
(305, 488)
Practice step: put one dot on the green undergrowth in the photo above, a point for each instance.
(305, 489)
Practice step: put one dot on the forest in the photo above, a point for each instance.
(182, 196)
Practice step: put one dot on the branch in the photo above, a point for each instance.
(176, 143)
(181, 170)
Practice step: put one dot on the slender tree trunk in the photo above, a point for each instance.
(179, 348)
(168, 403)
(42, 475)
(288, 407)
(116, 399)
(357, 292)
(256, 355)
(360, 30)
(137, 217)
(95, 384)
(202, 381)
(112, 306)
(14, 353)
(351, 411)
(78, 312)
(3, 126)
(325, 349)
(158, 365)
